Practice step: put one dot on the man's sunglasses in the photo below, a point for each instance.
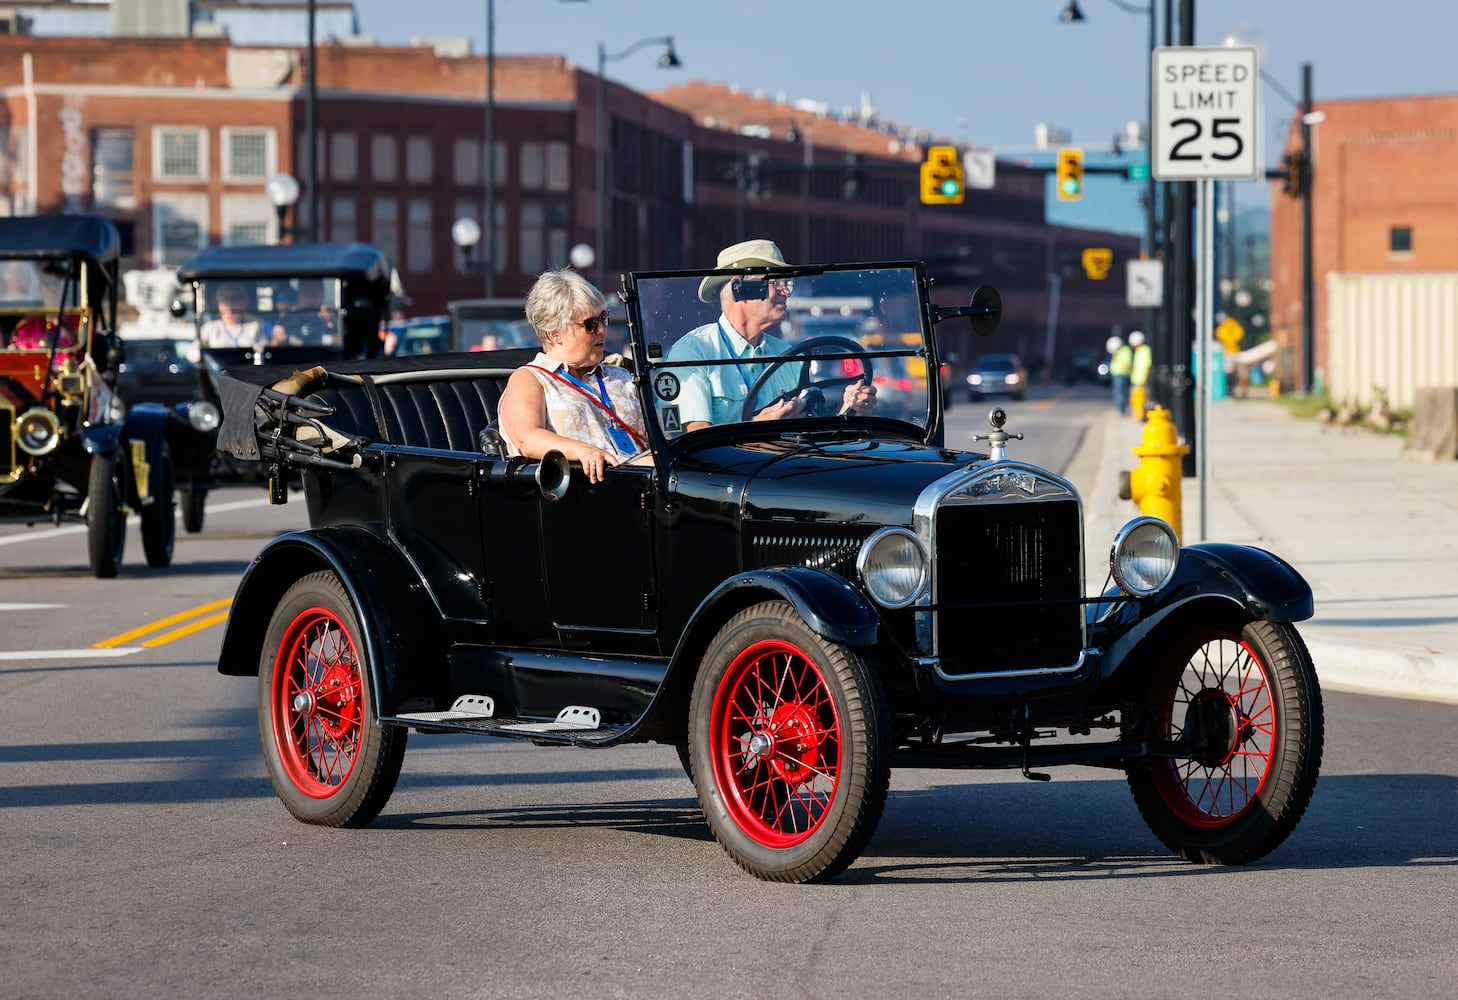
(594, 323)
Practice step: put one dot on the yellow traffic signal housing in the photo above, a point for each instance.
(942, 180)
(1070, 174)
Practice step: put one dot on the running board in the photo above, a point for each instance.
(575, 725)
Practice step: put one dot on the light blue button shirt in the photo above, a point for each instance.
(716, 394)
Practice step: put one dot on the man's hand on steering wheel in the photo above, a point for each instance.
(859, 395)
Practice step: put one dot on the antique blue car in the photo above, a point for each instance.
(797, 605)
(69, 448)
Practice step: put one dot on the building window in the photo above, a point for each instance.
(179, 154)
(418, 255)
(343, 226)
(248, 153)
(557, 217)
(419, 160)
(532, 168)
(465, 162)
(179, 227)
(343, 156)
(533, 237)
(500, 164)
(247, 219)
(1399, 239)
(385, 227)
(559, 170)
(384, 158)
(499, 237)
(112, 184)
(301, 154)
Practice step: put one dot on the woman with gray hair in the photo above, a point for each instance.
(566, 399)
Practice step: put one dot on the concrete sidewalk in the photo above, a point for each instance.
(1374, 534)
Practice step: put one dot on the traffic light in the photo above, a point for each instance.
(1070, 173)
(1295, 179)
(853, 176)
(942, 180)
(756, 176)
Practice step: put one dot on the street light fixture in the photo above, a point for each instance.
(283, 192)
(466, 233)
(669, 60)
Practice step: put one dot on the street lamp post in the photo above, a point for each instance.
(466, 233)
(311, 131)
(668, 60)
(283, 192)
(489, 154)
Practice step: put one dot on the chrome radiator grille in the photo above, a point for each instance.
(1008, 580)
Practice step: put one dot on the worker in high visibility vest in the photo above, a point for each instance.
(1139, 365)
(1121, 360)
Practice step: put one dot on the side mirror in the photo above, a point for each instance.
(986, 310)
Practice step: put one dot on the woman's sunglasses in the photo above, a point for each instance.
(594, 323)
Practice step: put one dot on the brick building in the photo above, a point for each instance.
(1384, 202)
(175, 137)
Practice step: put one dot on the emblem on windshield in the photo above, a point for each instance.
(665, 386)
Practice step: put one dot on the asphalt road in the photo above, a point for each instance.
(145, 853)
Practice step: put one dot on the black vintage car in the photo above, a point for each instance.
(798, 605)
(69, 449)
(300, 304)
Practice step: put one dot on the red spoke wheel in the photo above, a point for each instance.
(1243, 707)
(789, 746)
(330, 762)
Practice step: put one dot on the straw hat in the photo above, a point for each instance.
(750, 253)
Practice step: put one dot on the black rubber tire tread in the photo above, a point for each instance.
(865, 732)
(193, 503)
(382, 748)
(159, 521)
(106, 520)
(1252, 835)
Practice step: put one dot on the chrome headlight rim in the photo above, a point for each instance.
(873, 578)
(1131, 569)
(204, 416)
(37, 418)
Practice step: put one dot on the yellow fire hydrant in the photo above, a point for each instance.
(1155, 484)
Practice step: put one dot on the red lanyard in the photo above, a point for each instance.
(605, 407)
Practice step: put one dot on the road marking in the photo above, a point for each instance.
(177, 633)
(31, 607)
(66, 654)
(76, 529)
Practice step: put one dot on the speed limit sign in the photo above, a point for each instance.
(1206, 107)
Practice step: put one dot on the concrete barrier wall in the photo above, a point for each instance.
(1391, 332)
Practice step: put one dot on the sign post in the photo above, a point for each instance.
(1205, 128)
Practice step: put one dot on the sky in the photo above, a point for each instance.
(981, 72)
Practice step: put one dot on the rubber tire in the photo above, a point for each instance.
(159, 521)
(859, 796)
(106, 518)
(1257, 826)
(192, 502)
(379, 750)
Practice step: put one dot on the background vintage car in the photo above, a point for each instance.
(798, 605)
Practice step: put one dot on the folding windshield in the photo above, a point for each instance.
(720, 349)
(277, 312)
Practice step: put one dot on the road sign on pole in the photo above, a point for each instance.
(980, 167)
(1145, 284)
(1206, 108)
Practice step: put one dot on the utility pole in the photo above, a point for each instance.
(1308, 296)
(1181, 327)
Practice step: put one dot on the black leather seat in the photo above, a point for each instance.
(440, 412)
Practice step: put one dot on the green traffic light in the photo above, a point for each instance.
(950, 187)
(1070, 186)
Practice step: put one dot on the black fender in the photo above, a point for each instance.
(145, 434)
(827, 603)
(1213, 580)
(101, 439)
(403, 636)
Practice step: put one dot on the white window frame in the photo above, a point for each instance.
(193, 207)
(248, 210)
(270, 153)
(160, 133)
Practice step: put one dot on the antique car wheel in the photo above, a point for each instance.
(1246, 703)
(331, 763)
(790, 745)
(159, 521)
(106, 518)
(192, 502)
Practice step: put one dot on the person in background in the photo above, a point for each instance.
(715, 394)
(565, 399)
(1139, 364)
(231, 327)
(1121, 358)
(308, 320)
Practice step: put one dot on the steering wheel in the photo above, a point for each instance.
(815, 404)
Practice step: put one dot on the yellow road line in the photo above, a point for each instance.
(158, 626)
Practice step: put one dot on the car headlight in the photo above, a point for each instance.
(974, 379)
(38, 432)
(893, 565)
(204, 415)
(1144, 556)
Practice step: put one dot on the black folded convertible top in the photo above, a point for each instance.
(291, 260)
(40, 237)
